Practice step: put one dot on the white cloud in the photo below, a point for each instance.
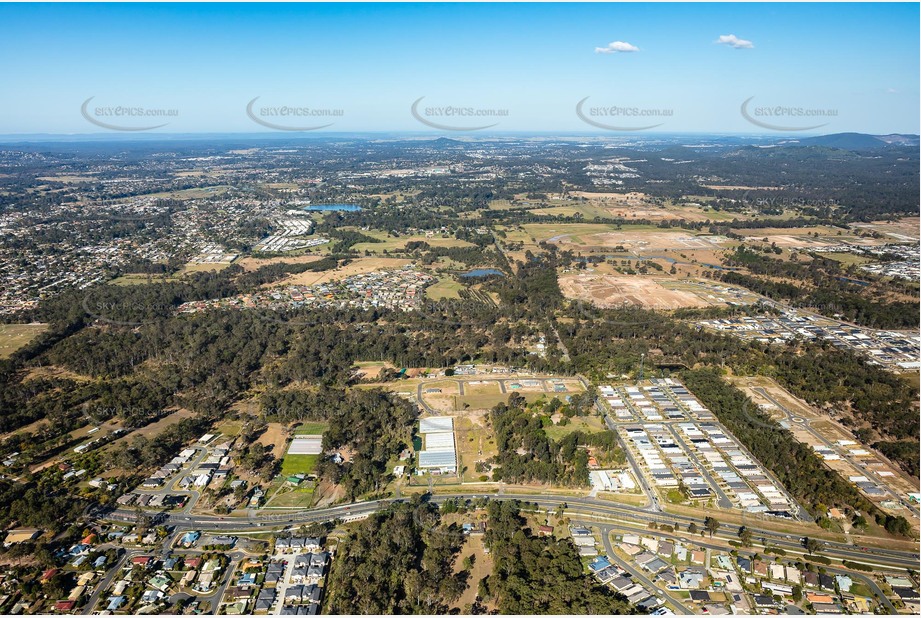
(734, 42)
(891, 91)
(616, 47)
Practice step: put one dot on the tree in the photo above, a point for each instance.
(745, 536)
(813, 546)
(692, 528)
(711, 525)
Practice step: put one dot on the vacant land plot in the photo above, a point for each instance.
(54, 371)
(482, 567)
(398, 243)
(202, 267)
(808, 237)
(293, 498)
(371, 370)
(356, 267)
(905, 229)
(154, 429)
(604, 238)
(447, 287)
(848, 258)
(274, 437)
(480, 402)
(189, 194)
(67, 179)
(588, 424)
(474, 441)
(142, 279)
(641, 241)
(481, 387)
(251, 263)
(557, 232)
(635, 205)
(588, 210)
(616, 291)
(15, 336)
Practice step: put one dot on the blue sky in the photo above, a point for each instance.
(535, 60)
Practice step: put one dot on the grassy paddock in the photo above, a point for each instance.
(299, 464)
(15, 336)
(311, 428)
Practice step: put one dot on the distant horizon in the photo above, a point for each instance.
(681, 68)
(430, 135)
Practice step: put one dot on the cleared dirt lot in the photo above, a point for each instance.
(155, 428)
(482, 567)
(250, 263)
(357, 267)
(371, 370)
(640, 241)
(276, 438)
(808, 237)
(903, 229)
(615, 291)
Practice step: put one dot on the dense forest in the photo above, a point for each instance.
(828, 289)
(526, 454)
(398, 561)
(374, 427)
(540, 575)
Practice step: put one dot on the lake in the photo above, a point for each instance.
(483, 272)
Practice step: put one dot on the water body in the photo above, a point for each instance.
(332, 207)
(483, 272)
(854, 281)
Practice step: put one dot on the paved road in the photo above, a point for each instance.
(723, 502)
(805, 423)
(635, 572)
(606, 529)
(215, 597)
(893, 558)
(107, 579)
(797, 508)
(651, 497)
(421, 401)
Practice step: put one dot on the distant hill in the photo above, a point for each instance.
(445, 142)
(859, 141)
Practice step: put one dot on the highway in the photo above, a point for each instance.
(894, 559)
